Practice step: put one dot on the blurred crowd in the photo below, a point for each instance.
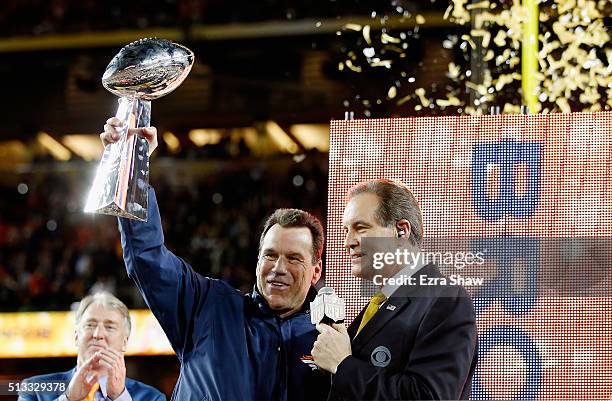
(52, 254)
(27, 17)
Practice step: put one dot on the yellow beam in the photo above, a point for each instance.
(215, 32)
(311, 26)
(84, 40)
(529, 56)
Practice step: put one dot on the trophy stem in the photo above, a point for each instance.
(121, 184)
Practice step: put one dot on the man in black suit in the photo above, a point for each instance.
(412, 342)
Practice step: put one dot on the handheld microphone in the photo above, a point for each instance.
(327, 307)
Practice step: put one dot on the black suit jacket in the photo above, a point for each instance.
(420, 345)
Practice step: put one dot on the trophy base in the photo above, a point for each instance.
(116, 210)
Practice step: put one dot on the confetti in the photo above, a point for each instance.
(482, 4)
(574, 57)
(403, 100)
(469, 39)
(353, 27)
(486, 36)
(420, 92)
(381, 63)
(564, 105)
(366, 34)
(386, 38)
(500, 38)
(453, 70)
(450, 101)
(394, 49)
(350, 65)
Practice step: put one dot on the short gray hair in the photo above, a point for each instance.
(109, 301)
(395, 202)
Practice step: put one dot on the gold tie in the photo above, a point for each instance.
(92, 392)
(371, 310)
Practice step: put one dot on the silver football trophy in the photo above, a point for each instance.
(327, 307)
(143, 70)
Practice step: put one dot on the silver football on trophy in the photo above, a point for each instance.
(148, 68)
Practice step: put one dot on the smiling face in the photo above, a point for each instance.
(100, 327)
(285, 270)
(360, 221)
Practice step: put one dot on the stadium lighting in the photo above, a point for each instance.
(312, 135)
(172, 142)
(57, 150)
(280, 138)
(203, 136)
(88, 147)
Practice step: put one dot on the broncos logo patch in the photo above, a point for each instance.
(309, 360)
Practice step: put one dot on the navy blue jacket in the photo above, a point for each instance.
(420, 345)
(138, 391)
(231, 346)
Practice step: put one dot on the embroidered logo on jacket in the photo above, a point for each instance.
(381, 356)
(309, 360)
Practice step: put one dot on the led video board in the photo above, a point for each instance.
(534, 194)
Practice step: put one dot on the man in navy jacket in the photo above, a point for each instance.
(231, 346)
(414, 341)
(102, 329)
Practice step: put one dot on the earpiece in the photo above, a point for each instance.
(400, 233)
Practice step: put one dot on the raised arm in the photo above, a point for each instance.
(174, 292)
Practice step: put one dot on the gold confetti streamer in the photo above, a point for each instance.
(500, 39)
(403, 100)
(386, 38)
(485, 35)
(574, 56)
(350, 65)
(381, 63)
(564, 105)
(420, 92)
(366, 34)
(393, 49)
(469, 39)
(453, 70)
(482, 4)
(447, 12)
(449, 101)
(353, 27)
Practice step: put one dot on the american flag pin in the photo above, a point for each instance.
(390, 307)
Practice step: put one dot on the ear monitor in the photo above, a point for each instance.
(400, 233)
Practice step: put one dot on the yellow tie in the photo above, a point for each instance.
(371, 310)
(92, 392)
